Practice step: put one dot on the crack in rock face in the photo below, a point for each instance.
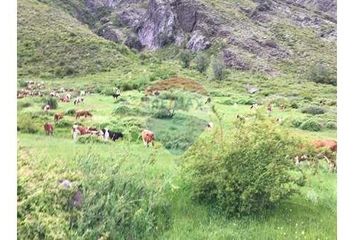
(159, 26)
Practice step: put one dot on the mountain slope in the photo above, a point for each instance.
(270, 37)
(52, 43)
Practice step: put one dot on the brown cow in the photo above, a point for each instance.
(58, 116)
(81, 113)
(327, 149)
(48, 128)
(328, 144)
(81, 130)
(148, 137)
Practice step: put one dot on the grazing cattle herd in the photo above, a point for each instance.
(325, 148)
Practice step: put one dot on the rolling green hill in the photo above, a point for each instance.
(52, 43)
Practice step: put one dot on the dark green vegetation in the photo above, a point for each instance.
(235, 181)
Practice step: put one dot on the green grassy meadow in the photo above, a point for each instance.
(43, 160)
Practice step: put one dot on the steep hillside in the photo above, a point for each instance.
(53, 43)
(265, 36)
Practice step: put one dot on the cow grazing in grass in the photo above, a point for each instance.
(64, 99)
(78, 130)
(326, 144)
(148, 137)
(48, 128)
(78, 100)
(108, 134)
(58, 116)
(327, 150)
(46, 108)
(82, 113)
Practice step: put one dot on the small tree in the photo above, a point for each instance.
(202, 62)
(186, 58)
(218, 69)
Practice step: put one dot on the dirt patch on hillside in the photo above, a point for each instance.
(176, 83)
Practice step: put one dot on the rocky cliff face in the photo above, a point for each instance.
(255, 33)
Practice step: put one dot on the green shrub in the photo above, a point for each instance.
(294, 105)
(218, 68)
(228, 102)
(121, 206)
(247, 172)
(202, 62)
(51, 101)
(331, 125)
(321, 73)
(311, 125)
(162, 113)
(70, 112)
(63, 123)
(313, 110)
(22, 83)
(26, 124)
(125, 109)
(297, 122)
(246, 101)
(185, 58)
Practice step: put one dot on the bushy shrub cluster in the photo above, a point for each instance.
(185, 58)
(321, 73)
(313, 110)
(218, 69)
(246, 101)
(115, 204)
(51, 101)
(70, 112)
(311, 125)
(26, 124)
(247, 172)
(202, 62)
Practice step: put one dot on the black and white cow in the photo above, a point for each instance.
(106, 133)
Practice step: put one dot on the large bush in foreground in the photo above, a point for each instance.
(116, 203)
(247, 173)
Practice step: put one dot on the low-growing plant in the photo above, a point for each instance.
(122, 206)
(228, 102)
(26, 124)
(51, 101)
(311, 125)
(331, 125)
(321, 73)
(185, 58)
(63, 123)
(246, 101)
(218, 69)
(249, 172)
(70, 112)
(313, 110)
(202, 62)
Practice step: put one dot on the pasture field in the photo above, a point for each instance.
(134, 192)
